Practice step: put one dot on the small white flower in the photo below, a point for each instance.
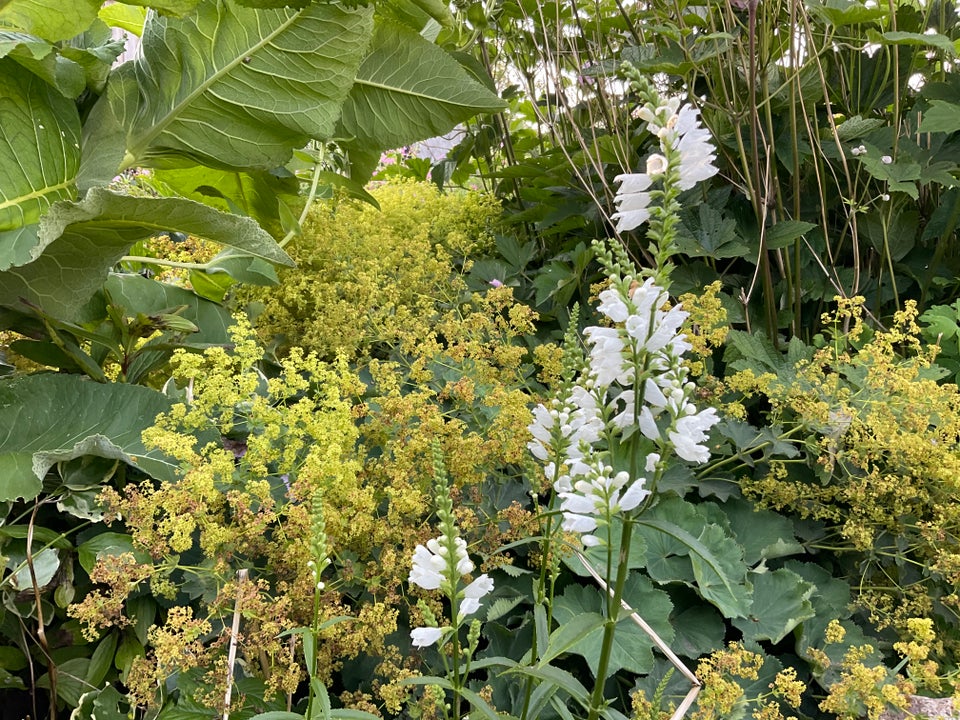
(425, 636)
(427, 570)
(606, 357)
(656, 165)
(600, 496)
(859, 150)
(430, 563)
(691, 430)
(885, 197)
(886, 160)
(695, 146)
(473, 593)
(632, 201)
(613, 306)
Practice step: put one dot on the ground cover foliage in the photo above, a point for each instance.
(277, 443)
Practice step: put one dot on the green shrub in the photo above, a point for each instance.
(369, 278)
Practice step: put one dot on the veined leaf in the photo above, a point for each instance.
(233, 87)
(254, 193)
(632, 647)
(409, 89)
(124, 16)
(52, 20)
(941, 42)
(137, 294)
(45, 419)
(40, 58)
(39, 157)
(79, 243)
(781, 601)
(177, 8)
(942, 116)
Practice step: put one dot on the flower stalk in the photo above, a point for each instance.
(606, 438)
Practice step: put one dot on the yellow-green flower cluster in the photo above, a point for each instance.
(369, 278)
(884, 467)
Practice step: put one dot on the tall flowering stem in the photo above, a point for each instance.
(685, 157)
(443, 564)
(608, 436)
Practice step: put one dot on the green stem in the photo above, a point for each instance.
(609, 628)
(166, 263)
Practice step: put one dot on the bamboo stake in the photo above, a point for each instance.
(661, 645)
(232, 654)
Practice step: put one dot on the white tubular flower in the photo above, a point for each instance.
(656, 165)
(425, 636)
(600, 497)
(613, 306)
(564, 429)
(607, 361)
(632, 201)
(473, 593)
(431, 567)
(684, 144)
(695, 147)
(427, 570)
(691, 431)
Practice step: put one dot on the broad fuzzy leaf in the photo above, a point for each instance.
(233, 87)
(48, 418)
(781, 601)
(52, 20)
(631, 645)
(80, 241)
(408, 89)
(39, 157)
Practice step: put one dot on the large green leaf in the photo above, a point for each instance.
(408, 89)
(52, 20)
(80, 241)
(781, 601)
(40, 58)
(39, 157)
(137, 294)
(763, 534)
(255, 193)
(632, 647)
(45, 419)
(233, 87)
